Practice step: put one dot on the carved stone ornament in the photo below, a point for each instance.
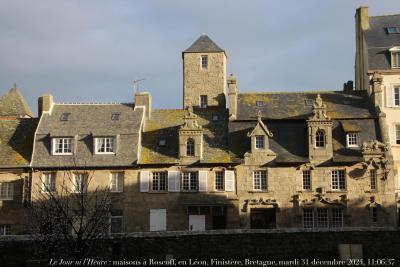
(319, 110)
(374, 147)
(260, 201)
(190, 120)
(320, 200)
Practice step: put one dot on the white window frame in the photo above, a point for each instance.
(396, 95)
(258, 177)
(105, 140)
(306, 222)
(338, 185)
(117, 182)
(7, 191)
(373, 175)
(76, 187)
(192, 182)
(350, 137)
(120, 217)
(396, 134)
(5, 229)
(222, 179)
(306, 175)
(203, 104)
(395, 56)
(47, 184)
(318, 141)
(259, 141)
(204, 62)
(65, 142)
(156, 178)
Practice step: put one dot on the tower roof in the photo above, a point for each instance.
(203, 44)
(13, 104)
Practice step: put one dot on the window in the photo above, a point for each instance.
(307, 180)
(309, 102)
(396, 96)
(396, 59)
(338, 180)
(162, 142)
(115, 224)
(115, 116)
(260, 180)
(105, 145)
(204, 62)
(219, 181)
(373, 176)
(62, 146)
(352, 139)
(49, 182)
(308, 218)
(6, 191)
(190, 147)
(215, 117)
(260, 103)
(374, 214)
(64, 116)
(337, 218)
(80, 183)
(190, 181)
(5, 229)
(203, 101)
(117, 182)
(397, 134)
(322, 218)
(393, 30)
(159, 182)
(260, 141)
(320, 139)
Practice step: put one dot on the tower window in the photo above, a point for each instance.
(190, 147)
(204, 62)
(203, 101)
(259, 141)
(396, 59)
(373, 177)
(320, 139)
(307, 180)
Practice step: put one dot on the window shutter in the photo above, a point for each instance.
(120, 183)
(389, 96)
(173, 181)
(203, 185)
(229, 181)
(144, 181)
(11, 190)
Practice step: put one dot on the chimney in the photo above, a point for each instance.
(362, 18)
(348, 87)
(232, 94)
(143, 99)
(45, 104)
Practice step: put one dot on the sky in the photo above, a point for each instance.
(93, 50)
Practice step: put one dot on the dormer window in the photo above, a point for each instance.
(204, 62)
(260, 103)
(393, 30)
(309, 102)
(115, 116)
(162, 142)
(62, 146)
(319, 139)
(352, 139)
(105, 145)
(203, 101)
(64, 116)
(190, 147)
(395, 57)
(215, 117)
(260, 144)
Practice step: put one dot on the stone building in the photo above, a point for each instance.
(378, 72)
(17, 127)
(226, 159)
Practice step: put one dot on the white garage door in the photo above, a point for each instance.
(158, 220)
(197, 222)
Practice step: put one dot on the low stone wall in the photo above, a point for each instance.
(229, 245)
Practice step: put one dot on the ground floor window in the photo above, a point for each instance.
(263, 218)
(308, 218)
(116, 224)
(207, 217)
(5, 229)
(323, 217)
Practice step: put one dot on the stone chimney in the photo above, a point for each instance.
(362, 18)
(348, 87)
(143, 99)
(45, 104)
(232, 94)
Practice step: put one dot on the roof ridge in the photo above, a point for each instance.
(384, 15)
(93, 103)
(295, 92)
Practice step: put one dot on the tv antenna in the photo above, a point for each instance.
(136, 85)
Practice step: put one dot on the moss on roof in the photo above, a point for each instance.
(13, 104)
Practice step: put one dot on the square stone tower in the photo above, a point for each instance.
(204, 74)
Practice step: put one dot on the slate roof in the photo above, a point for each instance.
(85, 122)
(378, 41)
(13, 104)
(203, 45)
(292, 105)
(16, 140)
(164, 124)
(286, 115)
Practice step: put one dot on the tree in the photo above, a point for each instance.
(67, 218)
